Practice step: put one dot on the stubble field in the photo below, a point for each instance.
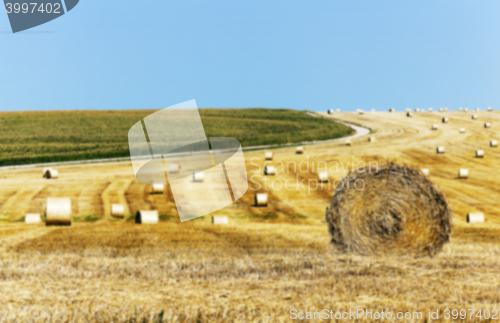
(268, 260)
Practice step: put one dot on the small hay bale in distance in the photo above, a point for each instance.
(323, 177)
(409, 114)
(487, 125)
(50, 173)
(440, 150)
(441, 110)
(463, 173)
(445, 120)
(477, 109)
(348, 142)
(425, 171)
(220, 219)
(261, 199)
(408, 110)
(476, 217)
(373, 110)
(490, 109)
(338, 110)
(32, 218)
(462, 130)
(445, 109)
(479, 153)
(269, 170)
(117, 210)
(460, 109)
(198, 177)
(417, 110)
(466, 110)
(360, 111)
(157, 189)
(299, 150)
(58, 211)
(434, 127)
(146, 217)
(174, 169)
(330, 111)
(430, 110)
(392, 110)
(372, 139)
(474, 117)
(493, 143)
(398, 212)
(269, 155)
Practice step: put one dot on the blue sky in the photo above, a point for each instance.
(295, 54)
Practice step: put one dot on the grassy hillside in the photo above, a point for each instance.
(35, 137)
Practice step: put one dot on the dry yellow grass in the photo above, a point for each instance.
(267, 260)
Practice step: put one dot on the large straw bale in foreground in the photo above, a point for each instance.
(399, 211)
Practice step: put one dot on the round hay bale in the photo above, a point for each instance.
(490, 109)
(361, 111)
(149, 217)
(117, 210)
(487, 125)
(373, 110)
(338, 110)
(330, 111)
(299, 150)
(440, 150)
(460, 109)
(474, 117)
(157, 189)
(323, 177)
(58, 211)
(399, 211)
(32, 218)
(425, 171)
(445, 109)
(445, 120)
(392, 110)
(220, 219)
(269, 155)
(269, 170)
(409, 114)
(477, 217)
(479, 153)
(348, 142)
(261, 199)
(408, 110)
(463, 173)
(434, 127)
(477, 109)
(371, 139)
(430, 110)
(197, 177)
(462, 130)
(466, 110)
(441, 110)
(417, 110)
(50, 173)
(493, 143)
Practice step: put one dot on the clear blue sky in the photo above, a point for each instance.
(313, 55)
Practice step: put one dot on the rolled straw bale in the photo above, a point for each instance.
(477, 109)
(220, 219)
(373, 110)
(269, 170)
(49, 173)
(149, 217)
(299, 150)
(323, 177)
(445, 120)
(261, 199)
(462, 130)
(330, 111)
(58, 211)
(493, 143)
(430, 110)
(434, 127)
(399, 211)
(460, 109)
(441, 110)
(445, 109)
(425, 171)
(479, 153)
(440, 150)
(474, 117)
(392, 110)
(157, 189)
(361, 111)
(174, 169)
(490, 109)
(348, 142)
(463, 173)
(466, 110)
(117, 210)
(32, 218)
(477, 217)
(408, 110)
(338, 110)
(371, 139)
(487, 125)
(269, 155)
(198, 177)
(409, 114)
(417, 110)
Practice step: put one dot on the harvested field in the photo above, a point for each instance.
(267, 260)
